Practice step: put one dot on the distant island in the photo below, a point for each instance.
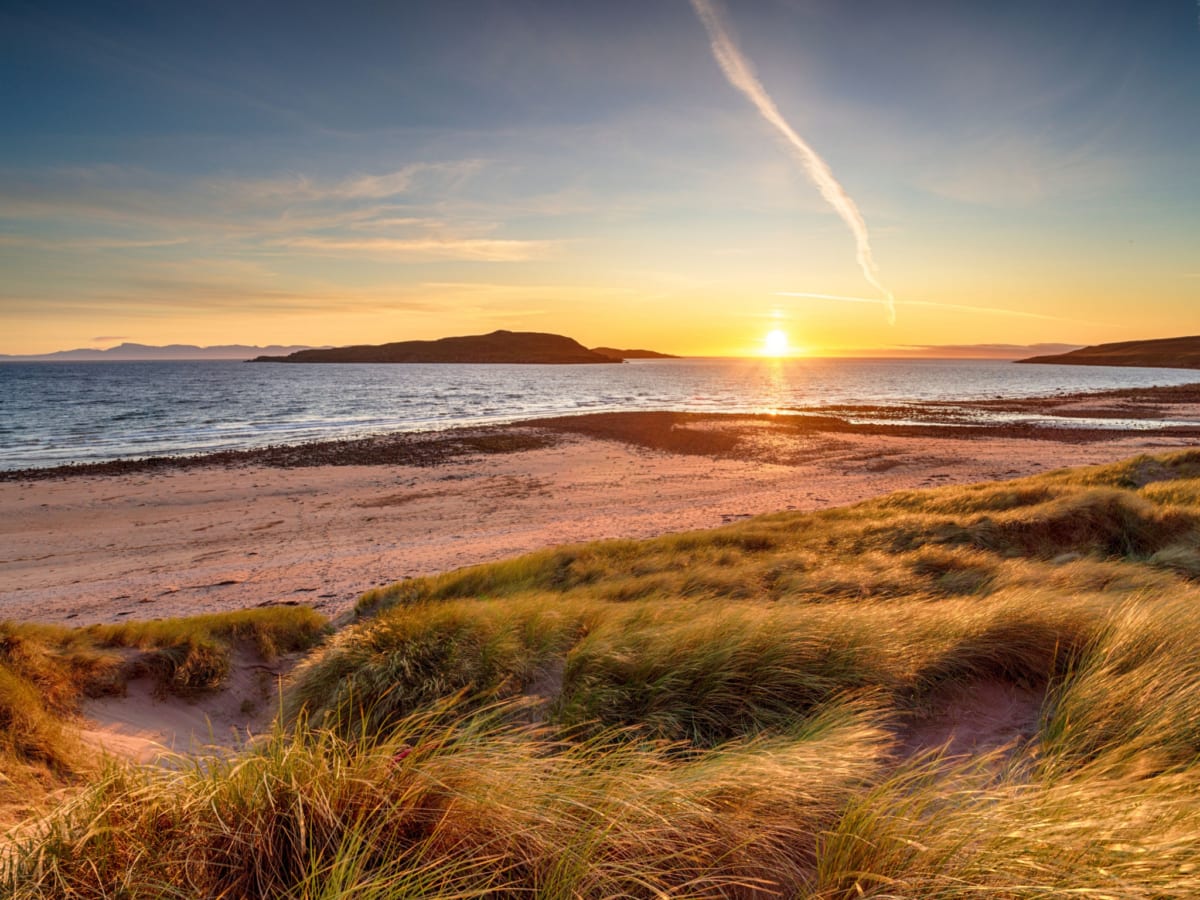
(128, 352)
(527, 347)
(1163, 353)
(632, 354)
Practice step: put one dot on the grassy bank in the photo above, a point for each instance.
(774, 708)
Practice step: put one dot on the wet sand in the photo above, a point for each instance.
(319, 524)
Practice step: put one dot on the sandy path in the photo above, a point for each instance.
(180, 542)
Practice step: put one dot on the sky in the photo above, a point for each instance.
(362, 172)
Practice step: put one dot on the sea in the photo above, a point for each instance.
(52, 413)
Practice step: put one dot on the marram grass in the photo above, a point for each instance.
(45, 671)
(755, 711)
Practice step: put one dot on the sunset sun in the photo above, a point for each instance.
(775, 343)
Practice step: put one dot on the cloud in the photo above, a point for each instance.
(742, 76)
(384, 185)
(136, 197)
(404, 215)
(51, 244)
(547, 292)
(203, 287)
(164, 298)
(426, 249)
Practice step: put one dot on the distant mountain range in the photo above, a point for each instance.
(128, 352)
(985, 351)
(500, 346)
(497, 347)
(1163, 353)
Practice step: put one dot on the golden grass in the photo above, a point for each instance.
(470, 811)
(45, 671)
(745, 712)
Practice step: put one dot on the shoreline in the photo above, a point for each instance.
(923, 419)
(320, 524)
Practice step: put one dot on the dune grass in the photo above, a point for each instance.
(47, 670)
(474, 810)
(193, 654)
(746, 712)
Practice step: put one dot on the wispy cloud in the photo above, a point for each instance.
(29, 242)
(201, 287)
(742, 76)
(536, 290)
(409, 214)
(165, 298)
(425, 249)
(138, 198)
(365, 186)
(962, 307)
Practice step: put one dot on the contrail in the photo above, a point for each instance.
(741, 75)
(990, 310)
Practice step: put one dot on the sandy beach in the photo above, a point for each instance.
(320, 524)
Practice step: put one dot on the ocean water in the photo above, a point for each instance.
(53, 413)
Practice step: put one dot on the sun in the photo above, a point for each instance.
(776, 343)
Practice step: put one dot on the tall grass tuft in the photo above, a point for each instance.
(469, 811)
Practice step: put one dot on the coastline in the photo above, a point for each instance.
(669, 430)
(319, 524)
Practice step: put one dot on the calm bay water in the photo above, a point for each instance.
(52, 413)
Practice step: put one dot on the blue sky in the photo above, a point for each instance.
(304, 173)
